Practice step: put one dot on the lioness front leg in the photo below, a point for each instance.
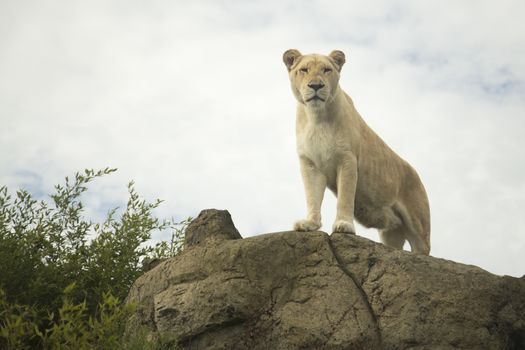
(314, 186)
(346, 187)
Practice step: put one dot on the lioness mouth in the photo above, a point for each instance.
(313, 98)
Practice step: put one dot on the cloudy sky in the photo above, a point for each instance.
(192, 101)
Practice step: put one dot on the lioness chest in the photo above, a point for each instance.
(318, 142)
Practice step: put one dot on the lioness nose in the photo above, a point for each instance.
(316, 86)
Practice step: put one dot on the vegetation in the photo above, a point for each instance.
(63, 278)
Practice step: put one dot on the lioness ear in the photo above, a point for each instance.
(338, 57)
(289, 57)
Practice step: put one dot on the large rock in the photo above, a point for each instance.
(293, 290)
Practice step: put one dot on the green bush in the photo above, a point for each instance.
(74, 328)
(63, 278)
(71, 328)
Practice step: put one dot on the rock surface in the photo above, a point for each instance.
(296, 290)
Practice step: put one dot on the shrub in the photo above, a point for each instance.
(73, 328)
(64, 276)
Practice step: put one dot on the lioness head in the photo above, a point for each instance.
(314, 78)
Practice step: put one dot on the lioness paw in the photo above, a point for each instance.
(306, 225)
(343, 226)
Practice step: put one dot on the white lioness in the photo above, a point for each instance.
(338, 150)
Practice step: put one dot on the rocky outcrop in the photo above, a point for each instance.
(211, 224)
(294, 290)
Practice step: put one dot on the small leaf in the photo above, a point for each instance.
(69, 289)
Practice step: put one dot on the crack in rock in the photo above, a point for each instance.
(363, 295)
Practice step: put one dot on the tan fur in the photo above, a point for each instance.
(338, 150)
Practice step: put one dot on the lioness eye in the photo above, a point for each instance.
(327, 70)
(304, 70)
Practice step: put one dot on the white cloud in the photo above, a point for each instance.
(192, 101)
